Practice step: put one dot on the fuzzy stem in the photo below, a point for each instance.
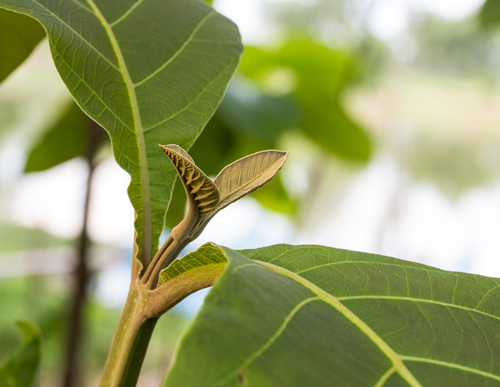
(174, 249)
(156, 258)
(130, 342)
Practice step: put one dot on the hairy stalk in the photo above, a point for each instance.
(140, 314)
(158, 256)
(168, 257)
(130, 342)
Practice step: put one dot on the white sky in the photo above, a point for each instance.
(389, 18)
(386, 19)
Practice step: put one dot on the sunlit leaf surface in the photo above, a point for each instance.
(317, 316)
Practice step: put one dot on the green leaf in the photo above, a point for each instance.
(489, 16)
(257, 115)
(275, 197)
(318, 316)
(321, 75)
(21, 369)
(65, 140)
(19, 35)
(149, 72)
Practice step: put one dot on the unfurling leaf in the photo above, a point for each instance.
(247, 175)
(209, 197)
(243, 177)
(200, 189)
(178, 149)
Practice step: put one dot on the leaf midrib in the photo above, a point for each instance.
(139, 131)
(128, 12)
(422, 300)
(395, 358)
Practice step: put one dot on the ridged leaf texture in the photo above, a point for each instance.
(247, 175)
(147, 71)
(199, 186)
(318, 316)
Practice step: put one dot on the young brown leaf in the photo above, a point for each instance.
(200, 189)
(178, 149)
(247, 175)
(207, 197)
(241, 178)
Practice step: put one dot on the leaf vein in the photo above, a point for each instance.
(76, 33)
(180, 50)
(419, 300)
(354, 319)
(450, 365)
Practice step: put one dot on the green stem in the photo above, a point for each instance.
(166, 259)
(130, 342)
(157, 257)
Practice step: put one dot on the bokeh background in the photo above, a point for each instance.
(391, 111)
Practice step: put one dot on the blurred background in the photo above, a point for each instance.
(391, 111)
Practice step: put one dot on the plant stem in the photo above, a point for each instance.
(156, 258)
(130, 342)
(173, 250)
(142, 310)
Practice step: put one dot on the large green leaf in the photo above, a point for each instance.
(66, 139)
(149, 72)
(319, 76)
(317, 316)
(19, 35)
(257, 115)
(489, 16)
(21, 369)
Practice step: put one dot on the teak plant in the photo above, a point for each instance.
(153, 72)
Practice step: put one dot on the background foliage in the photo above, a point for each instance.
(445, 140)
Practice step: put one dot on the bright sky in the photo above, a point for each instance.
(386, 18)
(389, 18)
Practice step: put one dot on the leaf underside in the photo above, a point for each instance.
(149, 72)
(198, 185)
(248, 174)
(317, 316)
